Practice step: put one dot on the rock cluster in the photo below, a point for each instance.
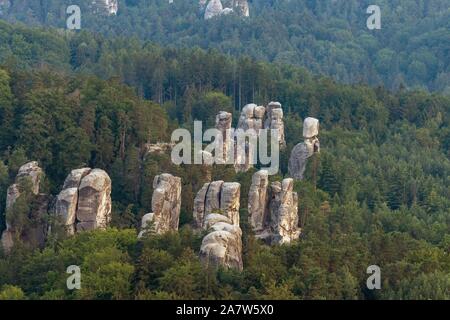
(255, 118)
(84, 203)
(304, 150)
(252, 117)
(216, 7)
(273, 210)
(222, 246)
(217, 197)
(29, 176)
(223, 124)
(166, 204)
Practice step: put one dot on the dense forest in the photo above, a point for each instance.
(381, 194)
(327, 37)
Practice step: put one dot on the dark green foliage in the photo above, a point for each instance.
(377, 194)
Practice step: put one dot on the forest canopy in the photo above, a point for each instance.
(380, 194)
(326, 37)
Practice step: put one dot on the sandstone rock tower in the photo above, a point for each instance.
(273, 210)
(27, 179)
(304, 150)
(216, 209)
(85, 200)
(166, 204)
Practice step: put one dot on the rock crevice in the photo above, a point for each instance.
(84, 203)
(273, 209)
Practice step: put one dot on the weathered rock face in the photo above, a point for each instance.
(241, 7)
(258, 201)
(34, 235)
(273, 211)
(84, 203)
(217, 7)
(30, 171)
(166, 204)
(94, 201)
(284, 212)
(304, 150)
(222, 246)
(223, 124)
(253, 118)
(217, 197)
(214, 8)
(145, 223)
(274, 120)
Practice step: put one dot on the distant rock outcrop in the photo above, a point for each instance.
(273, 211)
(222, 246)
(84, 203)
(217, 197)
(166, 204)
(241, 7)
(214, 8)
(304, 150)
(217, 7)
(34, 234)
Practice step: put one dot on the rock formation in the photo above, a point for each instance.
(85, 200)
(283, 206)
(252, 117)
(29, 176)
(223, 124)
(304, 150)
(258, 201)
(241, 7)
(217, 197)
(274, 120)
(256, 118)
(222, 246)
(216, 7)
(166, 203)
(273, 211)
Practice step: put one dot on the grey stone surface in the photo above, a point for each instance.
(217, 197)
(222, 246)
(304, 150)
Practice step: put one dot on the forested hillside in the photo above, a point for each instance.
(380, 195)
(327, 37)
